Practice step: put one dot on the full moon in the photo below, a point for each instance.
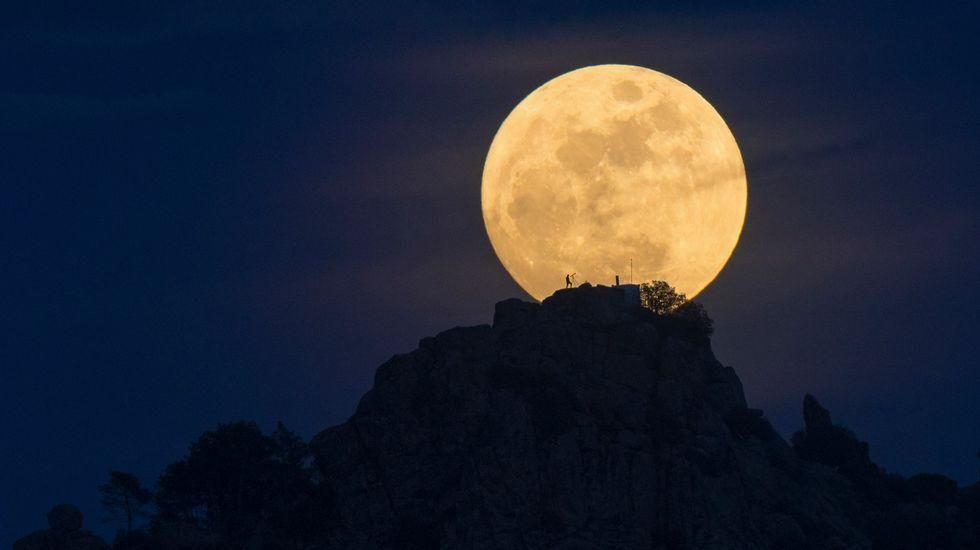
(609, 168)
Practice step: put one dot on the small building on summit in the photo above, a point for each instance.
(631, 294)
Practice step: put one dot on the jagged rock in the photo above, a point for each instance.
(923, 511)
(65, 533)
(815, 417)
(581, 422)
(821, 441)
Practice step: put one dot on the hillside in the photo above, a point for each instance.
(583, 422)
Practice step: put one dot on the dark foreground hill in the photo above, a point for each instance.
(579, 423)
(585, 423)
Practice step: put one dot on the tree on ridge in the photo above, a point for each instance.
(124, 498)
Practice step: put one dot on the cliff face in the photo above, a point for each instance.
(577, 423)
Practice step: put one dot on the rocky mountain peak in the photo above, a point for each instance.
(815, 417)
(580, 422)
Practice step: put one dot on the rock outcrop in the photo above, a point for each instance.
(578, 423)
(923, 511)
(65, 532)
(821, 441)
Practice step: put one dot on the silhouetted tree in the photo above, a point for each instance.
(238, 487)
(664, 300)
(65, 532)
(660, 297)
(220, 485)
(124, 498)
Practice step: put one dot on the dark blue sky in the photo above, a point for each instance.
(238, 211)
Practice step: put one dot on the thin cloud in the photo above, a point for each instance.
(31, 109)
(705, 46)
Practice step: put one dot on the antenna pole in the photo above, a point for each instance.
(631, 270)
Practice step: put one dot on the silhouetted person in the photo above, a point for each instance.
(568, 280)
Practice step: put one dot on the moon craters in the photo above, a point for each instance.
(612, 166)
(582, 151)
(627, 91)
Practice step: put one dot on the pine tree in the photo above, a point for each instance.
(124, 498)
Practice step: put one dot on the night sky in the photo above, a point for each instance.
(239, 211)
